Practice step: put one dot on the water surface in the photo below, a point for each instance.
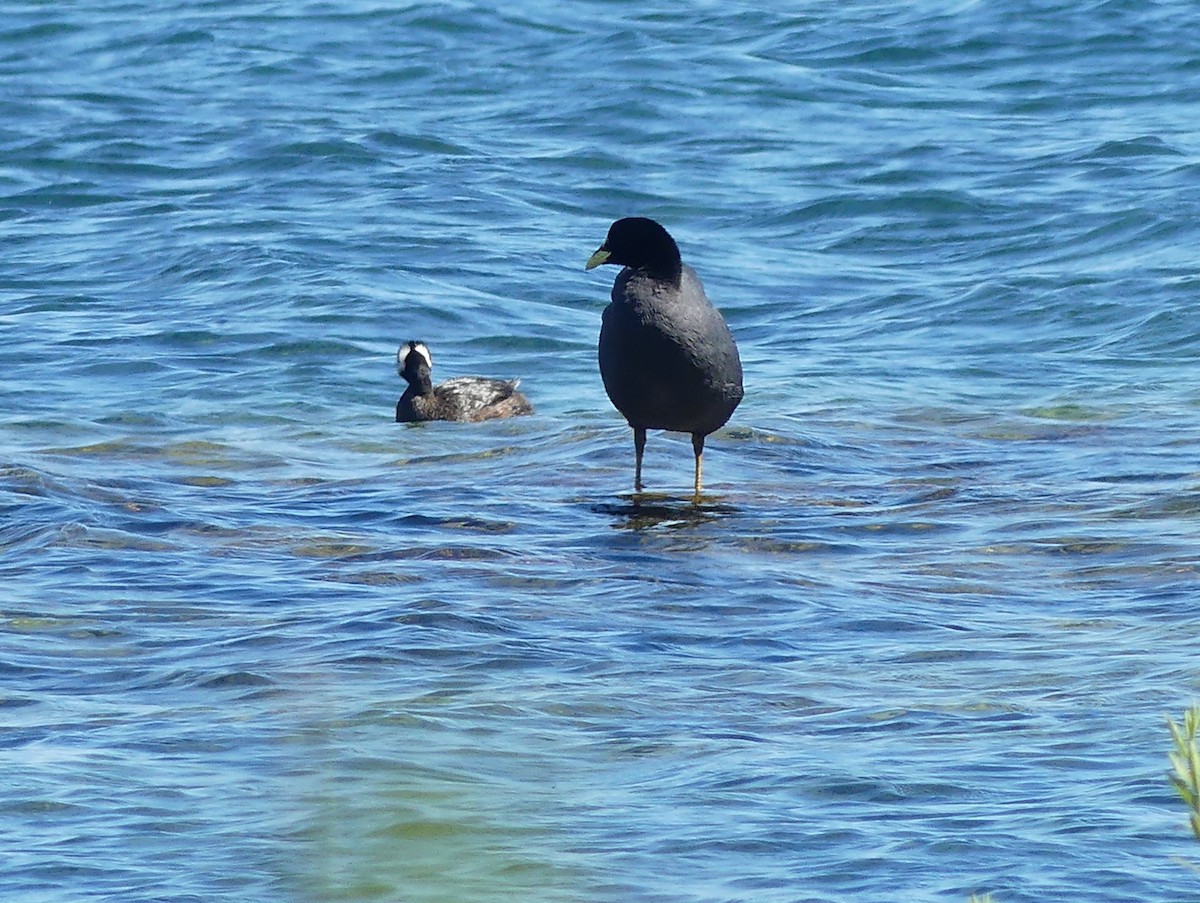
(916, 641)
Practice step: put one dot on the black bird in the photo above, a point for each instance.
(667, 358)
(469, 398)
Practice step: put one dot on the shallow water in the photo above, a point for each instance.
(919, 636)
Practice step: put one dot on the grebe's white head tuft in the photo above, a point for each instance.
(412, 348)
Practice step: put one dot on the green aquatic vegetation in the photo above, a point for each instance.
(1185, 763)
(1076, 413)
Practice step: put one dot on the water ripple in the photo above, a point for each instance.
(259, 640)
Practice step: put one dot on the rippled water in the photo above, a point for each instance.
(918, 639)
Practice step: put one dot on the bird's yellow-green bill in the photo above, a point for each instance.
(601, 256)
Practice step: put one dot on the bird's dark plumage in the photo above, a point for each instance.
(469, 398)
(667, 358)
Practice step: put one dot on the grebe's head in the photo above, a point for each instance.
(413, 361)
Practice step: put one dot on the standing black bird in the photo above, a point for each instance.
(667, 358)
(462, 398)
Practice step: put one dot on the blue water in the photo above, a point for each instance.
(918, 639)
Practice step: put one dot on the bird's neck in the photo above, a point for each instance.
(669, 273)
(418, 385)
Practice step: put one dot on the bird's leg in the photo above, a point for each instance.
(639, 446)
(698, 448)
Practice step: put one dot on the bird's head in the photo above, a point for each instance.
(414, 363)
(640, 244)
